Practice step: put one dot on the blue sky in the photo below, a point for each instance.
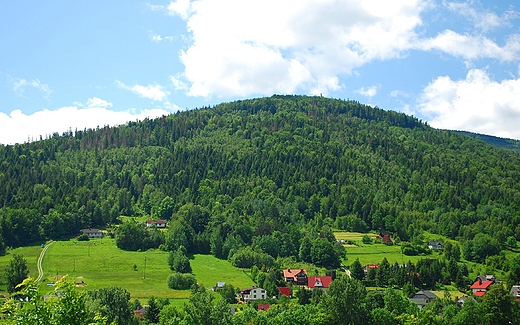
(82, 64)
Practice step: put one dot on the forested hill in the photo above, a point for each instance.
(262, 165)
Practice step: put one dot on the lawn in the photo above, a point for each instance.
(99, 263)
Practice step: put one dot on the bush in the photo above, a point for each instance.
(180, 281)
(366, 239)
(83, 237)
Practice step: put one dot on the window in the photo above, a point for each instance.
(254, 296)
(263, 291)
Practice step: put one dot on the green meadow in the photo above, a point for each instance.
(375, 252)
(99, 263)
(30, 253)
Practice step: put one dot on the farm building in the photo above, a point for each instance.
(92, 233)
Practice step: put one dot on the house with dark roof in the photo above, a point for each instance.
(252, 293)
(462, 300)
(435, 245)
(295, 276)
(92, 233)
(319, 282)
(423, 297)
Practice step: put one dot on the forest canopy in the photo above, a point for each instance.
(260, 170)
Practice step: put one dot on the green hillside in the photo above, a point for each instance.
(256, 166)
(263, 184)
(501, 143)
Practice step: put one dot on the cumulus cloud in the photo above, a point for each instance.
(242, 48)
(153, 92)
(18, 127)
(472, 47)
(482, 19)
(367, 92)
(477, 103)
(20, 84)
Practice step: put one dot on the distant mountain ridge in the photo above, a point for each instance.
(501, 143)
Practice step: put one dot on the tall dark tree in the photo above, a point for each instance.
(356, 270)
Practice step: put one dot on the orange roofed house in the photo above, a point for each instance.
(296, 276)
(479, 287)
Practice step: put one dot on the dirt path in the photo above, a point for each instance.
(40, 260)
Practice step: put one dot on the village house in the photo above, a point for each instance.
(252, 293)
(423, 297)
(295, 276)
(435, 245)
(218, 286)
(263, 306)
(515, 291)
(92, 233)
(480, 287)
(286, 291)
(319, 282)
(156, 223)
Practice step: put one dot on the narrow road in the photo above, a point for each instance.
(40, 260)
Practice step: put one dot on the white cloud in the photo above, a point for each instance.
(153, 92)
(159, 38)
(477, 103)
(18, 127)
(20, 84)
(471, 47)
(242, 48)
(367, 92)
(483, 20)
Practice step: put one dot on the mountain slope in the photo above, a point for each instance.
(263, 165)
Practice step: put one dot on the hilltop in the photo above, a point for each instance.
(257, 166)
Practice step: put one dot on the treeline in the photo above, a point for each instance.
(346, 302)
(263, 167)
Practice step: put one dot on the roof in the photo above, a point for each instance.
(90, 231)
(479, 293)
(248, 289)
(155, 221)
(484, 285)
(291, 273)
(286, 291)
(263, 306)
(319, 281)
(425, 293)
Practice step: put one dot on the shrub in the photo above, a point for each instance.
(83, 237)
(180, 281)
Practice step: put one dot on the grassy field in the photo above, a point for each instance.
(30, 253)
(374, 253)
(99, 263)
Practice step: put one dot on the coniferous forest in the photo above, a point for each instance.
(258, 179)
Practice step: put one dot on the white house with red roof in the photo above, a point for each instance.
(319, 282)
(480, 287)
(156, 223)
